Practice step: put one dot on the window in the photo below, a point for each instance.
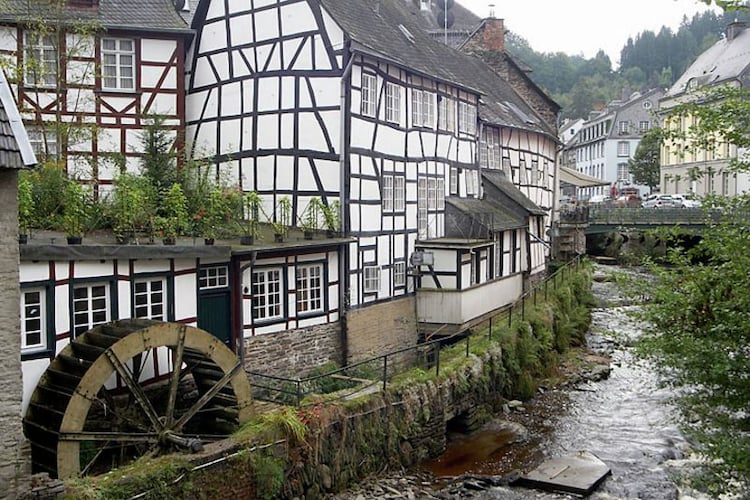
(423, 108)
(399, 194)
(507, 169)
(471, 182)
(394, 196)
(213, 277)
(446, 114)
(33, 318)
(44, 144)
(623, 148)
(422, 208)
(309, 288)
(90, 306)
(623, 127)
(149, 299)
(399, 274)
(369, 95)
(40, 60)
(644, 126)
(440, 194)
(387, 193)
(454, 181)
(118, 64)
(266, 294)
(372, 279)
(392, 102)
(431, 193)
(647, 105)
(467, 118)
(623, 172)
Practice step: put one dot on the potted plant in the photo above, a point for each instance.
(25, 206)
(213, 214)
(131, 207)
(282, 219)
(174, 217)
(251, 208)
(310, 220)
(331, 217)
(75, 211)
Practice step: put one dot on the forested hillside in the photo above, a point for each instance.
(648, 60)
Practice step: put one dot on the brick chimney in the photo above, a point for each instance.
(735, 29)
(494, 35)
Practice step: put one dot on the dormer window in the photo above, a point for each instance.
(692, 84)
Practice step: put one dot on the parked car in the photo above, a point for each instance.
(600, 199)
(686, 200)
(659, 201)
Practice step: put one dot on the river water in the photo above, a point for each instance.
(625, 420)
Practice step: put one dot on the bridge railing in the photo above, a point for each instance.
(611, 216)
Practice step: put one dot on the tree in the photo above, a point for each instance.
(700, 310)
(644, 166)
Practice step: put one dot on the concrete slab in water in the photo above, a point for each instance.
(579, 473)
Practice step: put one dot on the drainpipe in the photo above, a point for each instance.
(345, 83)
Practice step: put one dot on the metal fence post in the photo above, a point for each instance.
(437, 357)
(523, 307)
(489, 329)
(385, 371)
(510, 315)
(299, 391)
(467, 345)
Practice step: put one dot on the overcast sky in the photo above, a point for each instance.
(582, 27)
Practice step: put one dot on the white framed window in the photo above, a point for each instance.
(213, 277)
(266, 290)
(309, 288)
(446, 114)
(623, 172)
(90, 306)
(371, 279)
(423, 108)
(40, 60)
(454, 180)
(422, 208)
(622, 127)
(399, 274)
(387, 193)
(493, 153)
(118, 64)
(467, 118)
(393, 102)
(369, 95)
(623, 148)
(43, 143)
(440, 193)
(150, 298)
(472, 181)
(399, 193)
(644, 126)
(431, 193)
(33, 320)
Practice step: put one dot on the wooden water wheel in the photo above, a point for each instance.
(104, 401)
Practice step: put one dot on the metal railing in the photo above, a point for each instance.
(374, 374)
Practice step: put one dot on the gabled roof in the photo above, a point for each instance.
(498, 179)
(386, 29)
(727, 59)
(383, 29)
(15, 150)
(140, 15)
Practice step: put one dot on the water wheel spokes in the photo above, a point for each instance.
(131, 388)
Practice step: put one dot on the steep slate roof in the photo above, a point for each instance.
(141, 15)
(498, 179)
(725, 60)
(15, 150)
(373, 26)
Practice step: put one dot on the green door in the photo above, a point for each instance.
(214, 314)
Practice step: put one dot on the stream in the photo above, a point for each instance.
(625, 420)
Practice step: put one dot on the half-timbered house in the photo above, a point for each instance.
(351, 103)
(89, 75)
